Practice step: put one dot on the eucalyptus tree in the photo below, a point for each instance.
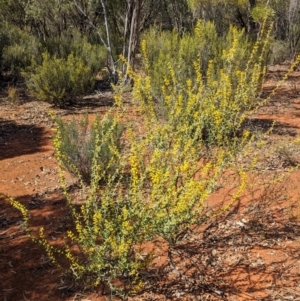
(120, 24)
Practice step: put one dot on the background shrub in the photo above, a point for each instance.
(280, 52)
(79, 145)
(58, 81)
(17, 49)
(71, 41)
(57, 69)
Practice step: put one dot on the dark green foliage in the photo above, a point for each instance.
(17, 49)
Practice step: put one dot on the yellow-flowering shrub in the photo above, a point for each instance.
(167, 169)
(169, 49)
(213, 98)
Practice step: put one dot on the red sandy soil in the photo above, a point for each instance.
(249, 253)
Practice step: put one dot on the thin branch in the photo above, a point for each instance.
(92, 24)
(106, 25)
(107, 43)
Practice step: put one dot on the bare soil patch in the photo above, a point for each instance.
(249, 253)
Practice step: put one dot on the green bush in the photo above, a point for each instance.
(58, 80)
(71, 41)
(78, 144)
(280, 52)
(17, 49)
